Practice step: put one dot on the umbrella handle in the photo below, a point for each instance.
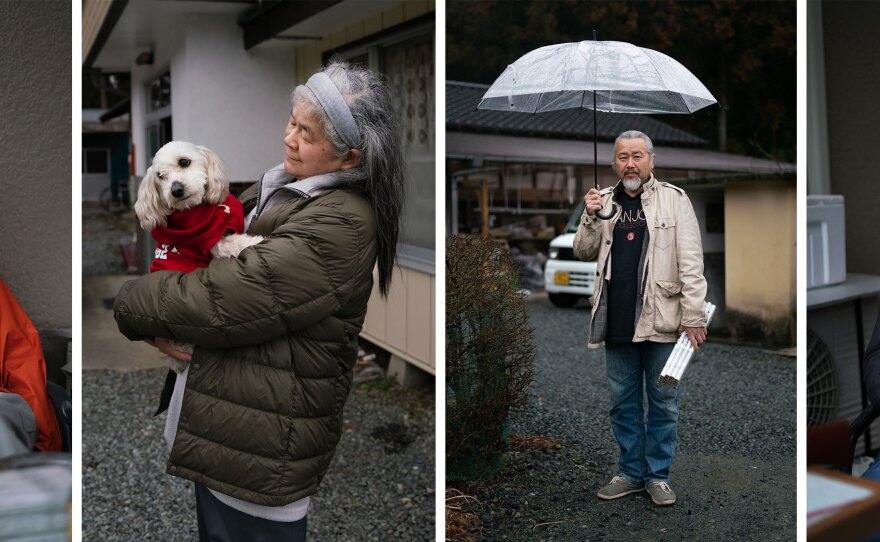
(609, 215)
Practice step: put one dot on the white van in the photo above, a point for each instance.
(566, 278)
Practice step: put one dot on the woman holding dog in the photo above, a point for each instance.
(255, 419)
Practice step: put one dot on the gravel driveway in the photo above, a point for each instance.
(734, 472)
(380, 485)
(102, 235)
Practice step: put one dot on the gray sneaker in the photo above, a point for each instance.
(618, 487)
(660, 492)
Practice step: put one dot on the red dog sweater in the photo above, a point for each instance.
(184, 244)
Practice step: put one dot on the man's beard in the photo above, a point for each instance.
(632, 184)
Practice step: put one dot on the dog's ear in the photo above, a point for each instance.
(149, 207)
(218, 182)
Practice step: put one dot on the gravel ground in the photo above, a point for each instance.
(734, 472)
(380, 485)
(102, 234)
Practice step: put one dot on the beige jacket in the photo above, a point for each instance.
(673, 289)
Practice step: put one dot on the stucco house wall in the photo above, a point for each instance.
(234, 101)
(35, 209)
(35, 206)
(761, 251)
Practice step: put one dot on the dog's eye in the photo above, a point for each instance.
(161, 176)
(183, 162)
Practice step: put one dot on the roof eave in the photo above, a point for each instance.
(107, 26)
(266, 22)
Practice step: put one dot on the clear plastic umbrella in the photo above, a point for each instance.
(609, 76)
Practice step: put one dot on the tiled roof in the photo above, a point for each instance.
(524, 149)
(461, 115)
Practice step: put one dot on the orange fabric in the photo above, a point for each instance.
(23, 368)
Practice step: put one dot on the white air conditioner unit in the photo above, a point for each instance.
(832, 355)
(826, 241)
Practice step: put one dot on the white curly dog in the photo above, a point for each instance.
(184, 196)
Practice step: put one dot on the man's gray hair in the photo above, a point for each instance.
(635, 134)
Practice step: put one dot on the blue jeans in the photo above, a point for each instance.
(646, 450)
(873, 472)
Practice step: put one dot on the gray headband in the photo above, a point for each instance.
(334, 106)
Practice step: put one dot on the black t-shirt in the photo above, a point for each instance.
(626, 251)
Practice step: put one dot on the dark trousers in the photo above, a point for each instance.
(220, 523)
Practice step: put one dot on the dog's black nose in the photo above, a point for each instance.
(177, 189)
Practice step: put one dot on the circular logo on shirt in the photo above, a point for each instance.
(630, 236)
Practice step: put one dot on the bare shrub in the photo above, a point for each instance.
(489, 353)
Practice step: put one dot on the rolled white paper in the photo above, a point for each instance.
(681, 355)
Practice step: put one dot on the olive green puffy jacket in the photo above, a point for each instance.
(276, 333)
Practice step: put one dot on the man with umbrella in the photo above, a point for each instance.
(648, 228)
(650, 287)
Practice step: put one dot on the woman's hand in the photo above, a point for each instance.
(164, 346)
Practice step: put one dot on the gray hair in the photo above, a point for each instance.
(635, 134)
(380, 172)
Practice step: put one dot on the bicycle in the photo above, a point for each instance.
(117, 205)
